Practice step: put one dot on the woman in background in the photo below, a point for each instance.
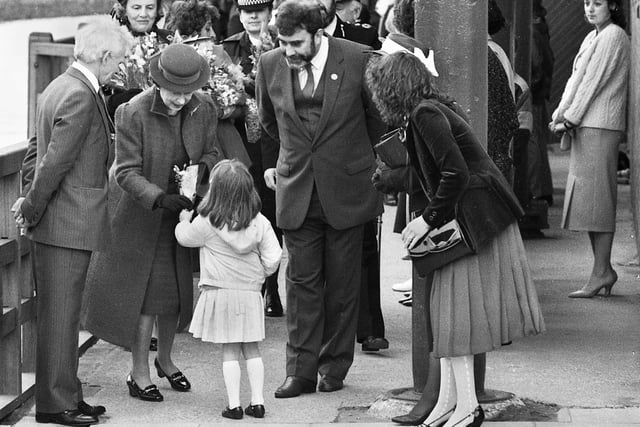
(593, 111)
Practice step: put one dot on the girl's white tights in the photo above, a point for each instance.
(231, 374)
(255, 372)
(231, 353)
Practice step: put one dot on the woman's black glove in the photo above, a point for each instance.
(173, 202)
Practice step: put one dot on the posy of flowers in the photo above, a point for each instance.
(187, 178)
(226, 84)
(133, 72)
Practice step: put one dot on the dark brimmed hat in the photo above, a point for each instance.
(179, 68)
(253, 5)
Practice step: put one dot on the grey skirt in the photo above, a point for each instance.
(591, 194)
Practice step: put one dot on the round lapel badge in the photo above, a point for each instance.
(334, 76)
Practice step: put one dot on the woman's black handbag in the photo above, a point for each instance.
(392, 150)
(467, 232)
(439, 247)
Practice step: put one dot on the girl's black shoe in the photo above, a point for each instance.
(256, 411)
(234, 414)
(150, 394)
(178, 381)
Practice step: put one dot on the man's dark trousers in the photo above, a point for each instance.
(60, 275)
(323, 286)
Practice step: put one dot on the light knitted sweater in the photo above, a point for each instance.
(232, 259)
(596, 93)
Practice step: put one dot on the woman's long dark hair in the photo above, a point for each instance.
(232, 199)
(398, 82)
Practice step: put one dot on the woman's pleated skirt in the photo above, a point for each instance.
(483, 301)
(228, 316)
(591, 194)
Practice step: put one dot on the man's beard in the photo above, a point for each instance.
(298, 61)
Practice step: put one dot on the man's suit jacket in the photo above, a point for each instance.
(339, 158)
(66, 204)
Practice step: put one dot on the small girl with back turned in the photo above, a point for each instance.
(238, 250)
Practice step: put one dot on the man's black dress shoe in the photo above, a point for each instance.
(150, 393)
(234, 414)
(374, 344)
(93, 411)
(178, 381)
(273, 306)
(255, 411)
(72, 417)
(295, 386)
(329, 384)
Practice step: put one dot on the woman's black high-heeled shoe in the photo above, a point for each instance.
(474, 419)
(178, 381)
(150, 393)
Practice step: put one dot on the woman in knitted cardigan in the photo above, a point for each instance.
(593, 111)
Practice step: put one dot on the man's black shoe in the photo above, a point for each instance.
(72, 417)
(90, 410)
(295, 386)
(272, 305)
(374, 344)
(329, 384)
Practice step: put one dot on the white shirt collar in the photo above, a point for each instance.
(331, 28)
(318, 63)
(88, 74)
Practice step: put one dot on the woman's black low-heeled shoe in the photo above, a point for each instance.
(150, 393)
(234, 414)
(178, 381)
(255, 411)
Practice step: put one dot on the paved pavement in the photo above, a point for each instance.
(585, 370)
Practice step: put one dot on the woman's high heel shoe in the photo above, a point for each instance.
(582, 293)
(474, 419)
(178, 381)
(150, 393)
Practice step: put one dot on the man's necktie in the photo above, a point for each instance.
(307, 90)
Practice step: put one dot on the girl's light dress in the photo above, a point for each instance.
(233, 266)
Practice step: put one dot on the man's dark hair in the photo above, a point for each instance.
(296, 14)
(496, 19)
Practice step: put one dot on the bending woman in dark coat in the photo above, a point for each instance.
(483, 300)
(145, 274)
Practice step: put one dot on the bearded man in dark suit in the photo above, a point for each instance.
(65, 212)
(315, 105)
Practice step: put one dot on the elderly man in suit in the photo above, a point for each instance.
(65, 213)
(314, 103)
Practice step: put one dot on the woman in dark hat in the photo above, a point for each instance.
(145, 275)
